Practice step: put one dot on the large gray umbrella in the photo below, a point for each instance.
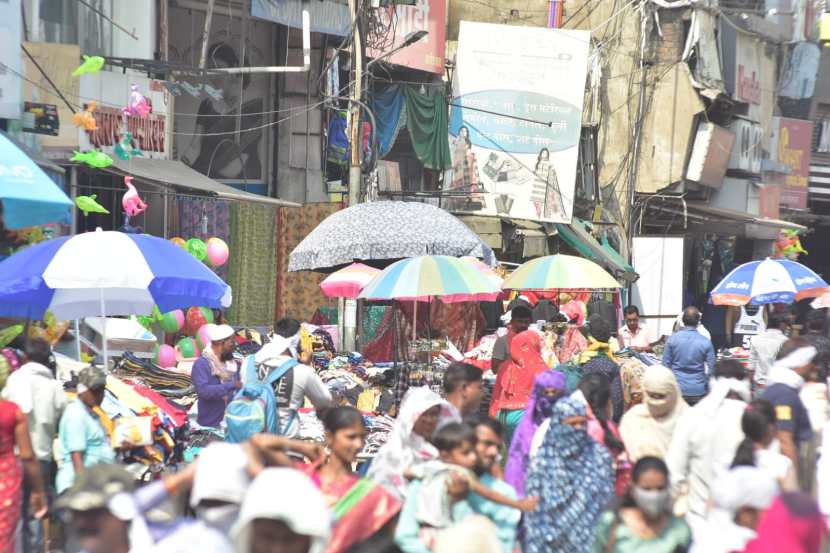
(386, 230)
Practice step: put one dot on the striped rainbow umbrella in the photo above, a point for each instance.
(348, 281)
(560, 272)
(422, 278)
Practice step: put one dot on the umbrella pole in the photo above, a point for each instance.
(415, 320)
(78, 337)
(104, 329)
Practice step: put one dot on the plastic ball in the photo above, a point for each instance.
(202, 338)
(188, 348)
(172, 321)
(197, 317)
(166, 356)
(217, 251)
(197, 248)
(179, 242)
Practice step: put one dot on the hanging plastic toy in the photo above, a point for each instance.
(93, 158)
(131, 201)
(138, 104)
(91, 64)
(89, 204)
(124, 149)
(85, 118)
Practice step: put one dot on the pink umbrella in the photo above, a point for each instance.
(349, 281)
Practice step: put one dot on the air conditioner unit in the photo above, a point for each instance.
(746, 152)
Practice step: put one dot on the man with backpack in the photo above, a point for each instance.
(290, 380)
(215, 375)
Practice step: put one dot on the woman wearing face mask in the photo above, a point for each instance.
(643, 522)
(409, 442)
(760, 447)
(647, 428)
(573, 478)
(361, 507)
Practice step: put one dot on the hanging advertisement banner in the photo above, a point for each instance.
(791, 146)
(515, 121)
(426, 15)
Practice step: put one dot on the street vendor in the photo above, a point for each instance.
(215, 375)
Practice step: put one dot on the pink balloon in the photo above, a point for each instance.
(202, 339)
(217, 251)
(167, 356)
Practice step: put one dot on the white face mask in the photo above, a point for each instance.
(653, 503)
(221, 518)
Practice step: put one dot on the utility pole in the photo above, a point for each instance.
(357, 93)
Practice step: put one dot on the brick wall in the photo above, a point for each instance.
(669, 47)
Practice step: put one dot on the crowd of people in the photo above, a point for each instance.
(572, 453)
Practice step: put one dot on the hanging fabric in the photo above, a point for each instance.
(426, 118)
(338, 149)
(390, 116)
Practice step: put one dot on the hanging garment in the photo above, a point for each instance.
(426, 118)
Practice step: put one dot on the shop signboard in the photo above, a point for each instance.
(111, 92)
(11, 67)
(515, 121)
(426, 15)
(57, 61)
(749, 73)
(770, 201)
(791, 146)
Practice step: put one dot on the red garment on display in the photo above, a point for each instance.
(11, 475)
(514, 382)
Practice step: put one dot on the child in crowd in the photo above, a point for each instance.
(456, 446)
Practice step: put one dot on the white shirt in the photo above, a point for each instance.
(33, 388)
(702, 448)
(776, 464)
(678, 324)
(641, 339)
(763, 349)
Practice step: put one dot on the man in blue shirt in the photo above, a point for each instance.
(691, 357)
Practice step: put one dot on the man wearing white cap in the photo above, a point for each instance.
(297, 381)
(215, 375)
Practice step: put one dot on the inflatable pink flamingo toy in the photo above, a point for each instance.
(131, 201)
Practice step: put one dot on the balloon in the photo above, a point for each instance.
(85, 119)
(166, 356)
(137, 104)
(93, 158)
(196, 318)
(217, 251)
(202, 337)
(172, 321)
(197, 248)
(179, 242)
(131, 201)
(188, 348)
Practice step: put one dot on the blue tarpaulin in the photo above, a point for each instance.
(29, 196)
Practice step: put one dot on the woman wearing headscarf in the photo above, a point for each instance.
(282, 511)
(548, 388)
(514, 382)
(408, 443)
(647, 428)
(793, 524)
(573, 478)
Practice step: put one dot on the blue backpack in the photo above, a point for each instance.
(254, 407)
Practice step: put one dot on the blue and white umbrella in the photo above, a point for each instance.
(106, 273)
(768, 281)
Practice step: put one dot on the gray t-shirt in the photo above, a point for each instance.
(501, 349)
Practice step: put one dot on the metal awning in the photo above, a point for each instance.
(578, 236)
(169, 173)
(741, 217)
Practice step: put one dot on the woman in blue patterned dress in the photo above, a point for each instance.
(573, 478)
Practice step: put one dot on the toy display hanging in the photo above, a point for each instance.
(84, 119)
(131, 201)
(137, 105)
(197, 248)
(93, 158)
(166, 356)
(125, 149)
(179, 242)
(788, 245)
(196, 318)
(172, 321)
(188, 348)
(91, 65)
(89, 204)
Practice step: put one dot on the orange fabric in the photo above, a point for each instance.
(514, 382)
